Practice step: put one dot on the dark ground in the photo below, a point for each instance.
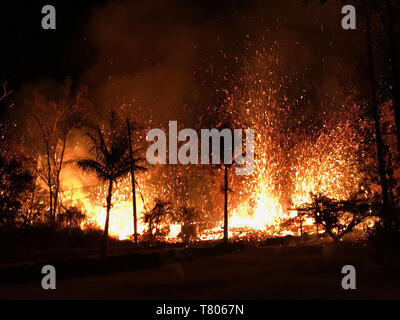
(273, 272)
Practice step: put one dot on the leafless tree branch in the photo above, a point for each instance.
(5, 92)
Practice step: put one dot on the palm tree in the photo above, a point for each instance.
(133, 170)
(110, 161)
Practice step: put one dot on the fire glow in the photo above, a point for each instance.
(289, 166)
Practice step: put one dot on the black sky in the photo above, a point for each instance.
(29, 52)
(154, 50)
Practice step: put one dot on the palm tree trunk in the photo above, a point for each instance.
(103, 253)
(226, 205)
(135, 235)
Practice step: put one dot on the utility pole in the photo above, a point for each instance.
(226, 235)
(135, 235)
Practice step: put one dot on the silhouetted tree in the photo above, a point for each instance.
(161, 213)
(191, 222)
(295, 222)
(339, 217)
(14, 181)
(34, 207)
(71, 218)
(52, 124)
(132, 171)
(110, 161)
(376, 113)
(390, 10)
(365, 8)
(4, 124)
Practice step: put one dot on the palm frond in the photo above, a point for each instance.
(90, 165)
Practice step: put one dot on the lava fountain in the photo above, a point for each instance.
(294, 158)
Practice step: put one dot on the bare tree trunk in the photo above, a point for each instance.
(226, 206)
(301, 227)
(49, 184)
(376, 116)
(103, 253)
(58, 168)
(31, 208)
(51, 204)
(395, 82)
(5, 92)
(151, 228)
(48, 178)
(135, 235)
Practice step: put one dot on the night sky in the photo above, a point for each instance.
(157, 52)
(29, 52)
